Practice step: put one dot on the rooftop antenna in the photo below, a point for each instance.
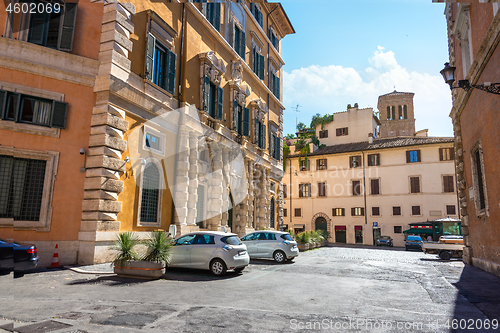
(296, 116)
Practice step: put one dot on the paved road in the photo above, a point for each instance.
(341, 289)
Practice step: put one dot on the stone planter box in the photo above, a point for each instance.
(302, 247)
(140, 269)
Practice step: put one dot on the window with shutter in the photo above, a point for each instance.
(59, 114)
(322, 189)
(298, 212)
(284, 191)
(373, 159)
(415, 210)
(271, 145)
(55, 29)
(375, 186)
(261, 66)
(356, 187)
(150, 51)
(263, 135)
(301, 192)
(396, 210)
(256, 127)
(413, 156)
(246, 122)
(414, 184)
(448, 184)
(171, 69)
(375, 211)
(451, 210)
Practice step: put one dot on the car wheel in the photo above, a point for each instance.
(239, 269)
(218, 267)
(279, 257)
(445, 255)
(406, 249)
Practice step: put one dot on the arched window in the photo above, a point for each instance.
(388, 113)
(405, 112)
(273, 214)
(400, 111)
(150, 193)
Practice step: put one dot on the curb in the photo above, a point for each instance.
(81, 271)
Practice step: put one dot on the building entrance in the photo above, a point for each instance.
(340, 234)
(376, 235)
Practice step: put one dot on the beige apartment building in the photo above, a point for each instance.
(360, 185)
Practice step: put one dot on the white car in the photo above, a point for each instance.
(276, 245)
(212, 250)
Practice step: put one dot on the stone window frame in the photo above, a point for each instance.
(259, 47)
(214, 68)
(161, 187)
(480, 212)
(419, 210)
(25, 127)
(52, 158)
(443, 185)
(462, 31)
(239, 93)
(379, 211)
(295, 212)
(400, 211)
(162, 136)
(450, 205)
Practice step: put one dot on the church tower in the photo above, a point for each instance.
(396, 114)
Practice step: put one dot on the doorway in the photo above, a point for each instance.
(320, 224)
(376, 235)
(340, 234)
(358, 234)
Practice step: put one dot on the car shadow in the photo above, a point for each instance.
(269, 262)
(113, 280)
(196, 275)
(440, 260)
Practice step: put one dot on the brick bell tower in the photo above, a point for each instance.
(396, 114)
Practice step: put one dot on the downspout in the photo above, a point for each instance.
(291, 225)
(364, 187)
(182, 73)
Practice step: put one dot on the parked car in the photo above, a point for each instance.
(384, 240)
(212, 250)
(413, 242)
(276, 245)
(17, 256)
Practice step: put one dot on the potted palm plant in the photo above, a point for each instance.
(303, 240)
(151, 265)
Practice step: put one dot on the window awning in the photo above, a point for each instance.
(299, 226)
(340, 227)
(418, 231)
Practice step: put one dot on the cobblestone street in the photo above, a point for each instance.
(345, 289)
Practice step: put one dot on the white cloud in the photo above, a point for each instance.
(329, 89)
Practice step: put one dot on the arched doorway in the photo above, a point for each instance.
(273, 214)
(321, 224)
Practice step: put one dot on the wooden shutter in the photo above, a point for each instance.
(150, 51)
(220, 102)
(338, 131)
(243, 45)
(448, 184)
(255, 60)
(206, 93)
(260, 19)
(415, 185)
(278, 92)
(418, 156)
(284, 191)
(346, 131)
(441, 155)
(317, 164)
(362, 211)
(256, 134)
(452, 153)
(309, 188)
(246, 122)
(301, 192)
(171, 64)
(217, 16)
(277, 149)
(3, 103)
(353, 211)
(38, 28)
(59, 114)
(263, 135)
(350, 161)
(67, 27)
(261, 66)
(235, 116)
(271, 145)
(375, 186)
(408, 156)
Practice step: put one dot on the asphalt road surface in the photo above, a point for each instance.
(339, 289)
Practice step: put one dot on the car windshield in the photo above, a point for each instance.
(287, 237)
(414, 238)
(231, 240)
(385, 238)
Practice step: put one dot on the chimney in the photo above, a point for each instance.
(370, 137)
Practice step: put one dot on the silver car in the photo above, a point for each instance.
(212, 250)
(271, 244)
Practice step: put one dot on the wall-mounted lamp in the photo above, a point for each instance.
(448, 73)
(82, 152)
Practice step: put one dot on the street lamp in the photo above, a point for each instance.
(448, 73)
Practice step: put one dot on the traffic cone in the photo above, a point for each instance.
(55, 259)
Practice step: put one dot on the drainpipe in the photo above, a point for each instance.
(181, 58)
(364, 187)
(291, 225)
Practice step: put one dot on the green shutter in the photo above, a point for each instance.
(220, 102)
(206, 93)
(3, 103)
(246, 122)
(236, 37)
(171, 64)
(67, 27)
(261, 66)
(263, 134)
(260, 19)
(150, 52)
(271, 145)
(243, 46)
(217, 16)
(39, 25)
(277, 87)
(59, 114)
(235, 115)
(254, 60)
(256, 127)
(277, 148)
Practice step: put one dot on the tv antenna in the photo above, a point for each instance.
(296, 116)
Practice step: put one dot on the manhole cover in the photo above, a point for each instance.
(71, 315)
(44, 326)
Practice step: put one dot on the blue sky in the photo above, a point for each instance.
(346, 52)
